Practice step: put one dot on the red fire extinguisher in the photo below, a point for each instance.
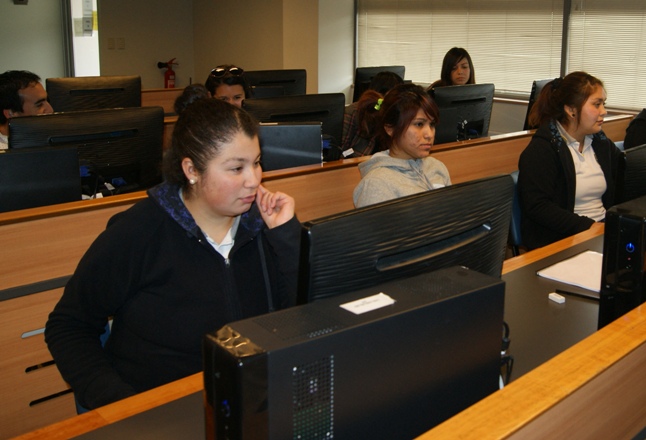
(169, 76)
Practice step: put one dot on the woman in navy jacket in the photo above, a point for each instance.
(566, 177)
(208, 246)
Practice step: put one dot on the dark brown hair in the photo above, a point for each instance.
(200, 131)
(573, 90)
(11, 82)
(451, 58)
(399, 108)
(189, 95)
(368, 112)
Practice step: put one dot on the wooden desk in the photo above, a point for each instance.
(164, 98)
(595, 389)
(41, 247)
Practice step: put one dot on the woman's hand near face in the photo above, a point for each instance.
(276, 208)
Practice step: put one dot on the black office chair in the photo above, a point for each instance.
(515, 238)
(537, 86)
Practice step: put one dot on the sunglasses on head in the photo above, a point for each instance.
(219, 72)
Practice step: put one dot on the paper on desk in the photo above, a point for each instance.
(583, 270)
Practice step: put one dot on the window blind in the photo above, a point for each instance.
(608, 40)
(511, 42)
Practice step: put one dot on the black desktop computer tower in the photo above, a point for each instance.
(623, 282)
(320, 371)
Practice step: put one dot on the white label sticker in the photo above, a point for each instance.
(368, 303)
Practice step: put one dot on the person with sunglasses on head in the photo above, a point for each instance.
(228, 83)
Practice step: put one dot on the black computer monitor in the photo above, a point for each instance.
(465, 111)
(326, 108)
(122, 147)
(290, 144)
(465, 224)
(387, 362)
(631, 175)
(93, 92)
(38, 177)
(269, 83)
(537, 86)
(363, 76)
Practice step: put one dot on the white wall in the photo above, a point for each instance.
(257, 35)
(152, 31)
(317, 35)
(32, 37)
(336, 47)
(246, 33)
(301, 38)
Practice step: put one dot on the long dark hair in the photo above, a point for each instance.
(573, 90)
(451, 58)
(200, 131)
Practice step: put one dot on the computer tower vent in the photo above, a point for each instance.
(307, 324)
(313, 400)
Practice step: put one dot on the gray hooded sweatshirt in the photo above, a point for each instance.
(385, 178)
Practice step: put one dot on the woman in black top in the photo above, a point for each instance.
(566, 177)
(208, 246)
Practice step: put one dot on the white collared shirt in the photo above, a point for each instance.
(226, 245)
(590, 180)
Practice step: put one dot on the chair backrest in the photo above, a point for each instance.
(537, 86)
(515, 237)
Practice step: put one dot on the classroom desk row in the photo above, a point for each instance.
(593, 387)
(40, 248)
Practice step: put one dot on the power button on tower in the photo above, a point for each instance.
(225, 408)
(630, 248)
